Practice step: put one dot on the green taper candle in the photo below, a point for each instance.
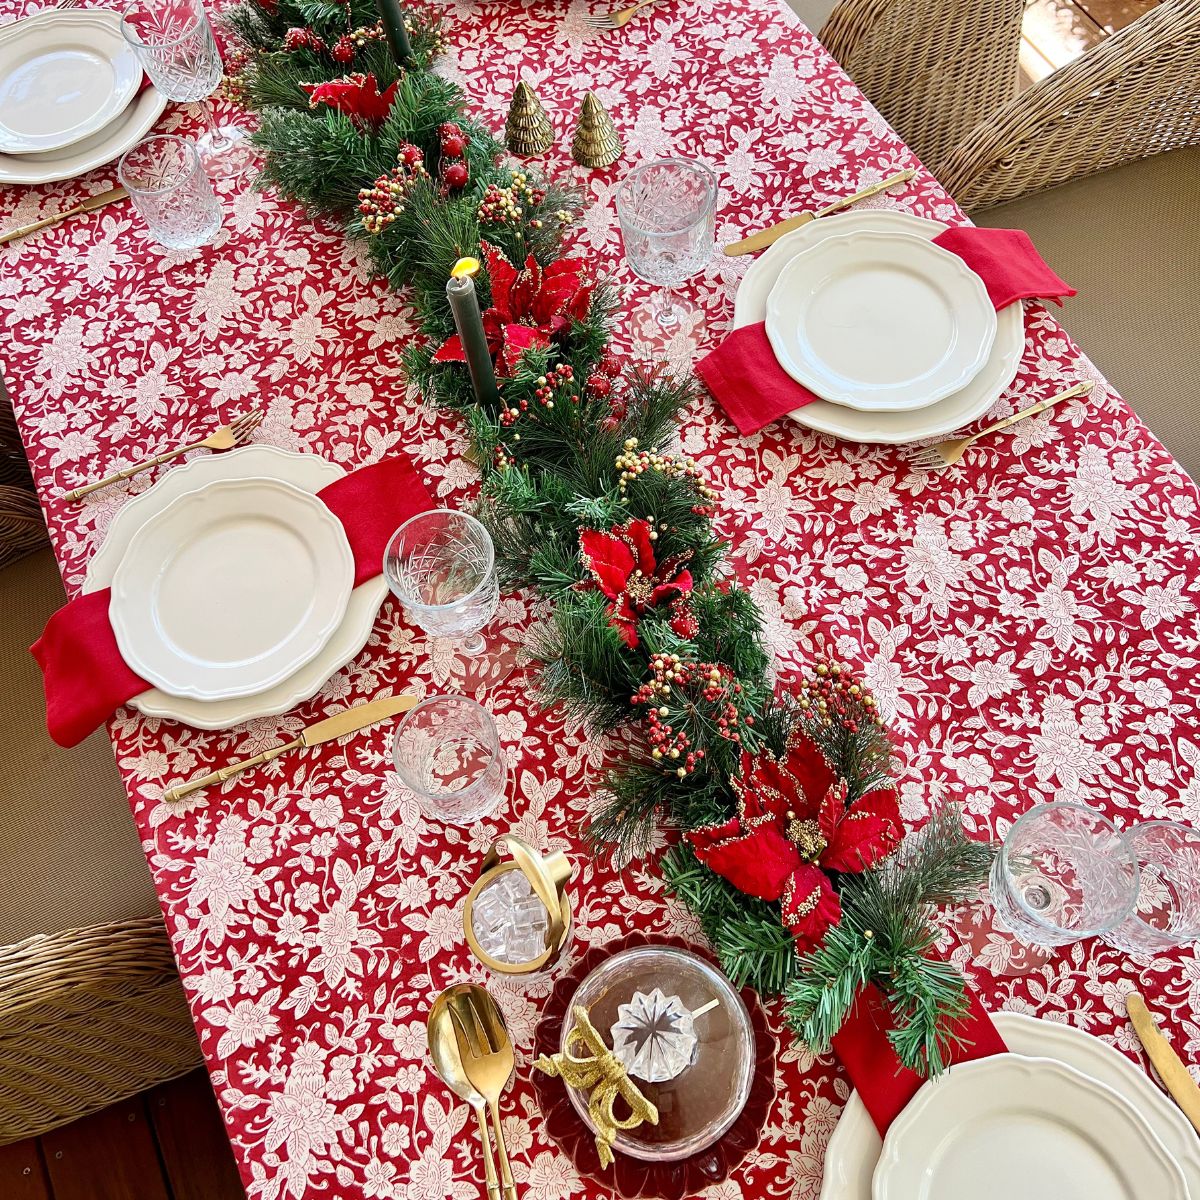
(392, 16)
(468, 320)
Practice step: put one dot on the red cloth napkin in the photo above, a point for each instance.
(754, 390)
(885, 1086)
(83, 673)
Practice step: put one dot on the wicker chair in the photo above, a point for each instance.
(91, 1008)
(1135, 95)
(934, 70)
(88, 1017)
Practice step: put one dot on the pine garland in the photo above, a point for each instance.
(683, 687)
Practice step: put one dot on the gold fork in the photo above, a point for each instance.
(236, 433)
(487, 1058)
(614, 20)
(946, 454)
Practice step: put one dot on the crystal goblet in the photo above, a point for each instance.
(1167, 912)
(174, 43)
(667, 210)
(1063, 873)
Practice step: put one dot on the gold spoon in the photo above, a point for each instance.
(443, 1049)
(486, 1053)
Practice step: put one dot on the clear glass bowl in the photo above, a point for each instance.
(698, 1105)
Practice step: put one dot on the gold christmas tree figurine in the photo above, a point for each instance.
(527, 130)
(595, 143)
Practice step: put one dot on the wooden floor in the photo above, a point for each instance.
(166, 1144)
(1056, 31)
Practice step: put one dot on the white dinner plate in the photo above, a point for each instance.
(854, 1148)
(881, 322)
(1007, 1126)
(231, 588)
(937, 420)
(52, 166)
(308, 472)
(63, 77)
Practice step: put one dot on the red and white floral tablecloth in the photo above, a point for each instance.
(1029, 623)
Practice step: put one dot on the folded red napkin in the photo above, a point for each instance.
(83, 673)
(754, 389)
(885, 1086)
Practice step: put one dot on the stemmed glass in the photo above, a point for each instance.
(1167, 913)
(441, 565)
(174, 43)
(667, 209)
(1064, 873)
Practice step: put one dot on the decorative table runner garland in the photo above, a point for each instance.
(799, 891)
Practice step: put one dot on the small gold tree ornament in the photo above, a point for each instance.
(596, 143)
(528, 130)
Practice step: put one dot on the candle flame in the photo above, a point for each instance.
(465, 267)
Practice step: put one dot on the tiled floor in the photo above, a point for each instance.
(1057, 31)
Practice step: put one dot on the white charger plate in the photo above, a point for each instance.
(231, 588)
(854, 1148)
(937, 420)
(124, 131)
(308, 472)
(63, 77)
(880, 321)
(1007, 1126)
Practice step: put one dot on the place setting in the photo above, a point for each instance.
(875, 325)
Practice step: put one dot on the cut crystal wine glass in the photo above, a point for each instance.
(174, 43)
(667, 209)
(1063, 873)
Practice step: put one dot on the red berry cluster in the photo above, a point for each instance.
(506, 205)
(711, 682)
(835, 696)
(634, 462)
(381, 203)
(455, 172)
(559, 378)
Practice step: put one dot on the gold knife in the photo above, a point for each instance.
(766, 237)
(348, 721)
(99, 201)
(1166, 1062)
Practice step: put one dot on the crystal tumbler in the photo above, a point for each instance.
(447, 752)
(1063, 874)
(167, 184)
(1167, 913)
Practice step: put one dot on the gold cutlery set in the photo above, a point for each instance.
(473, 1056)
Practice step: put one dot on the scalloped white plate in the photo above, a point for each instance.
(231, 588)
(937, 420)
(306, 471)
(1007, 1126)
(64, 75)
(880, 321)
(854, 1148)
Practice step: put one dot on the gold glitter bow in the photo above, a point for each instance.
(603, 1076)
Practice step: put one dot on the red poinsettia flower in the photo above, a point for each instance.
(622, 565)
(355, 96)
(529, 306)
(792, 827)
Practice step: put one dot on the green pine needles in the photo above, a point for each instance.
(682, 687)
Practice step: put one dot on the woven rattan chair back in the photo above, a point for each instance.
(934, 70)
